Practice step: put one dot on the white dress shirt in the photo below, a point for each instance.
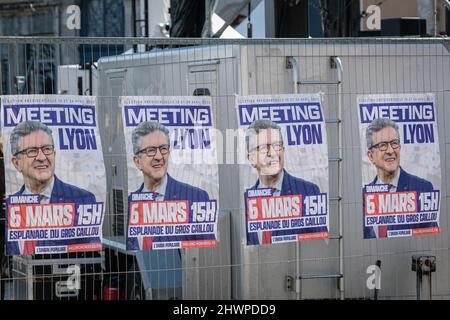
(276, 188)
(393, 184)
(46, 194)
(160, 192)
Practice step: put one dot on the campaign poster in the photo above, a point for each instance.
(284, 170)
(401, 169)
(54, 174)
(173, 182)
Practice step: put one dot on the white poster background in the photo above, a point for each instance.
(308, 162)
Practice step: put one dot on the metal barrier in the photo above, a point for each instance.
(340, 69)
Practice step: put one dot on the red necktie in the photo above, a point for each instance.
(382, 231)
(267, 237)
(147, 243)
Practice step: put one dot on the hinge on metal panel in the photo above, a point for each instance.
(333, 64)
(289, 63)
(289, 283)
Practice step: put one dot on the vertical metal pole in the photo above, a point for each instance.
(12, 67)
(375, 294)
(435, 19)
(249, 24)
(298, 283)
(29, 268)
(133, 18)
(269, 19)
(340, 179)
(90, 78)
(418, 284)
(207, 25)
(2, 90)
(58, 47)
(146, 23)
(423, 285)
(141, 18)
(430, 285)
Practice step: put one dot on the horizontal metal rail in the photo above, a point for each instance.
(322, 276)
(333, 121)
(309, 82)
(202, 41)
(68, 261)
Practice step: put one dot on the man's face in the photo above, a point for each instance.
(41, 168)
(386, 161)
(266, 152)
(153, 167)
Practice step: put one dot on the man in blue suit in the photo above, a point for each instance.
(265, 152)
(383, 150)
(151, 148)
(33, 155)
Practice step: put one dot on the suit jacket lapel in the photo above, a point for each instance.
(402, 180)
(171, 193)
(57, 192)
(286, 187)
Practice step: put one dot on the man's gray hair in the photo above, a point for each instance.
(23, 129)
(256, 127)
(143, 129)
(378, 125)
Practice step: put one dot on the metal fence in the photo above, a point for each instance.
(340, 69)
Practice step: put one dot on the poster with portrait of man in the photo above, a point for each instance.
(284, 170)
(54, 174)
(401, 169)
(173, 181)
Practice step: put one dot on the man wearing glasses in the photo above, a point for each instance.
(265, 152)
(151, 149)
(383, 150)
(33, 155)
